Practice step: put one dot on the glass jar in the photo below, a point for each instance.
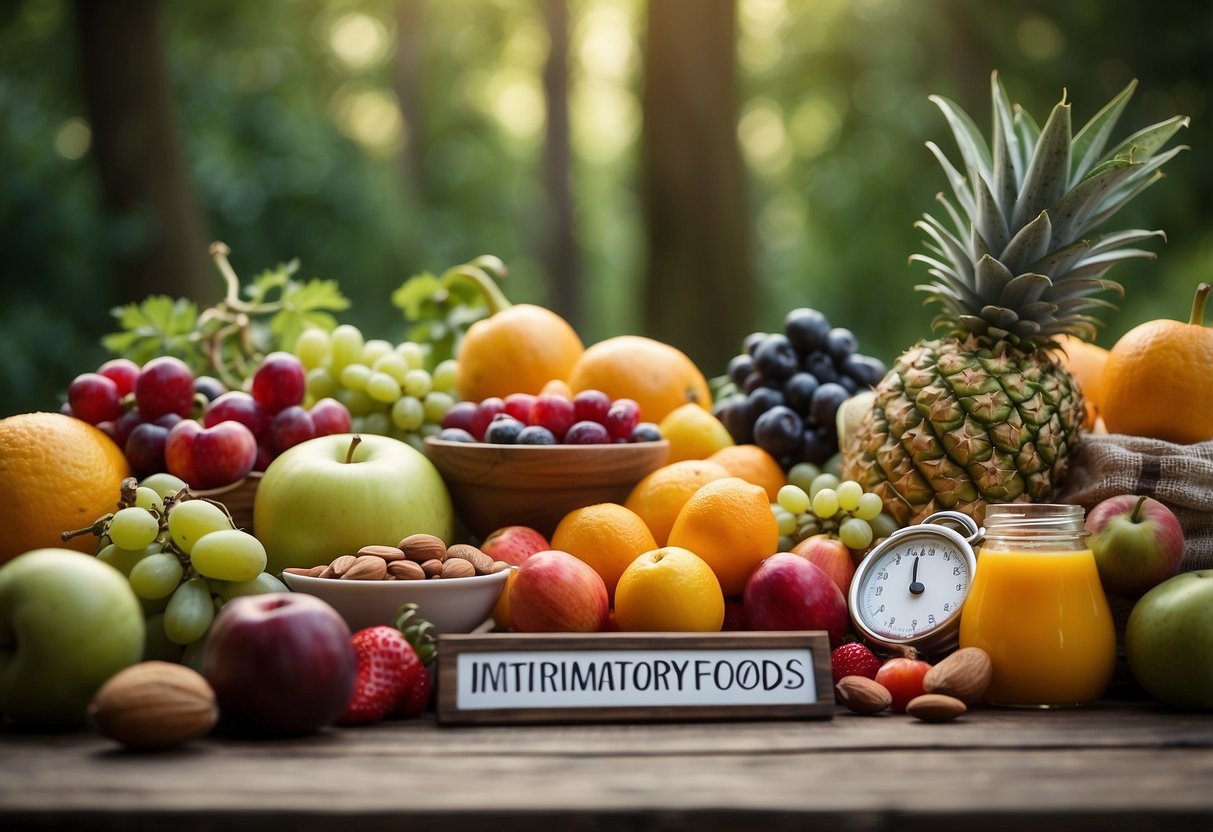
(1037, 607)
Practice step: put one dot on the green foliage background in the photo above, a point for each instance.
(832, 121)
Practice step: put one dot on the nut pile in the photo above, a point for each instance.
(416, 558)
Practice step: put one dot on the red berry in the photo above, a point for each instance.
(622, 418)
(554, 413)
(388, 670)
(94, 398)
(460, 416)
(591, 406)
(330, 416)
(417, 698)
(903, 679)
(587, 433)
(485, 411)
(121, 371)
(519, 406)
(853, 659)
(279, 382)
(165, 385)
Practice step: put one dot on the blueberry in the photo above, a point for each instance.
(851, 384)
(740, 366)
(734, 413)
(503, 430)
(535, 435)
(840, 343)
(775, 357)
(825, 402)
(646, 432)
(752, 382)
(752, 341)
(865, 369)
(798, 391)
(778, 431)
(455, 435)
(761, 400)
(813, 448)
(806, 329)
(821, 366)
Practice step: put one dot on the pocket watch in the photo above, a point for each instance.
(909, 589)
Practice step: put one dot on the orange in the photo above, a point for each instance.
(693, 433)
(661, 494)
(1085, 362)
(753, 464)
(658, 376)
(57, 474)
(669, 590)
(728, 523)
(516, 349)
(1158, 380)
(607, 536)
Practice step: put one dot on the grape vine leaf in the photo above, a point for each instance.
(158, 325)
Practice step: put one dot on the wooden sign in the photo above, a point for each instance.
(624, 677)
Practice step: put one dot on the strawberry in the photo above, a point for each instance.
(853, 659)
(391, 678)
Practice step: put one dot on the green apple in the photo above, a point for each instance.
(67, 623)
(1169, 640)
(332, 495)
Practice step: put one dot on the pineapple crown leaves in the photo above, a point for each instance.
(1018, 258)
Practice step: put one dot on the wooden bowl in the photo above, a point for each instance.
(536, 485)
(237, 498)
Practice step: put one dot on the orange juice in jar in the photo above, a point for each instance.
(1037, 607)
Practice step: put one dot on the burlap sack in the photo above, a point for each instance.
(1179, 476)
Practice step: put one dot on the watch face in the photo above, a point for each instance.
(913, 587)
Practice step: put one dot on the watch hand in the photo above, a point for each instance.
(916, 588)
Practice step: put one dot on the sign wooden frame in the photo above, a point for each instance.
(514, 678)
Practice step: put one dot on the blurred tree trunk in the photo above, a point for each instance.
(410, 90)
(699, 292)
(138, 151)
(558, 250)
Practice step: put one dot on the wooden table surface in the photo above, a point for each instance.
(1116, 765)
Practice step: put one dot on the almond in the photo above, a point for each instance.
(406, 570)
(499, 565)
(388, 553)
(341, 564)
(366, 568)
(935, 707)
(422, 547)
(478, 559)
(300, 570)
(153, 705)
(457, 568)
(965, 675)
(863, 695)
(432, 568)
(326, 571)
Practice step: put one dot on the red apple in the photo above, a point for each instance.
(209, 457)
(555, 592)
(788, 592)
(514, 544)
(281, 664)
(1137, 541)
(831, 555)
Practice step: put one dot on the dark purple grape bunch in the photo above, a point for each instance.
(789, 385)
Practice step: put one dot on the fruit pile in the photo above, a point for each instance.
(590, 417)
(786, 387)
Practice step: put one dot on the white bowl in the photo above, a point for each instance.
(452, 605)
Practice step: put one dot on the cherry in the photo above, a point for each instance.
(903, 679)
(94, 398)
(622, 418)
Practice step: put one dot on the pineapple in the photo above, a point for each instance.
(985, 413)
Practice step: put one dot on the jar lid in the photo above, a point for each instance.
(1034, 519)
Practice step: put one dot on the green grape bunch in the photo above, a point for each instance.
(395, 390)
(184, 559)
(815, 502)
